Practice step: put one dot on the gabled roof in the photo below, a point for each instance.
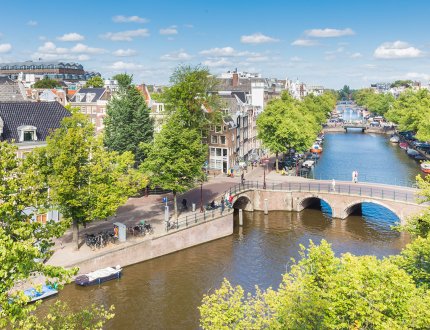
(10, 90)
(45, 116)
(97, 91)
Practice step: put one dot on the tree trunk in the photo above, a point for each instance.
(175, 205)
(76, 233)
(277, 162)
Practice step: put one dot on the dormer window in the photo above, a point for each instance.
(27, 133)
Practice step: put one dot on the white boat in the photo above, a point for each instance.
(308, 163)
(412, 152)
(44, 292)
(99, 276)
(425, 167)
(394, 139)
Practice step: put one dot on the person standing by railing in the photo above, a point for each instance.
(333, 185)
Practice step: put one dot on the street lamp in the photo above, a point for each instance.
(264, 173)
(201, 198)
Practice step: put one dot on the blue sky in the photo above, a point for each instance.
(328, 43)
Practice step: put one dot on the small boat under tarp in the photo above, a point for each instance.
(99, 276)
(394, 139)
(44, 292)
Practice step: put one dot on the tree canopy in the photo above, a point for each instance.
(374, 102)
(124, 80)
(95, 82)
(46, 83)
(345, 93)
(86, 181)
(128, 123)
(176, 157)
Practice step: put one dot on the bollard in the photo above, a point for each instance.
(193, 207)
(240, 217)
(266, 207)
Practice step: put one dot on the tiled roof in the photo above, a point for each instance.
(46, 116)
(10, 91)
(97, 91)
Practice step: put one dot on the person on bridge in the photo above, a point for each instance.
(333, 185)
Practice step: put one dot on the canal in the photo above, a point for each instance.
(164, 293)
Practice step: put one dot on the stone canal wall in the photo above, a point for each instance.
(132, 253)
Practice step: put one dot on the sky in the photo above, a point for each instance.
(329, 43)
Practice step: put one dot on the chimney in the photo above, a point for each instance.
(235, 81)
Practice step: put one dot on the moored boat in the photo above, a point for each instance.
(425, 167)
(412, 152)
(308, 163)
(44, 292)
(394, 139)
(316, 148)
(99, 276)
(403, 145)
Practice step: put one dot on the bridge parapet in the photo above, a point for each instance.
(343, 198)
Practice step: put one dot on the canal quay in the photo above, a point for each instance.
(163, 293)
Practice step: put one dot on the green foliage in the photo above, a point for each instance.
(344, 93)
(95, 82)
(87, 182)
(376, 103)
(287, 123)
(128, 123)
(402, 83)
(23, 244)
(190, 96)
(322, 291)
(124, 80)
(411, 111)
(60, 316)
(176, 157)
(46, 83)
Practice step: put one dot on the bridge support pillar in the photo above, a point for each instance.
(240, 217)
(266, 206)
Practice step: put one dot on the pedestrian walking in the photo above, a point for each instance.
(353, 176)
(333, 185)
(356, 177)
(222, 205)
(242, 178)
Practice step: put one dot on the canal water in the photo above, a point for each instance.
(164, 293)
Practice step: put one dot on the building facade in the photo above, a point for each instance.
(53, 70)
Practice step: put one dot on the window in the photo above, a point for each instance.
(41, 218)
(212, 152)
(218, 152)
(222, 139)
(218, 129)
(224, 152)
(28, 136)
(214, 139)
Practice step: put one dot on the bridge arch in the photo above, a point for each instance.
(356, 207)
(243, 202)
(313, 201)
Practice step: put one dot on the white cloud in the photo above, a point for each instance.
(84, 49)
(32, 23)
(124, 52)
(190, 26)
(258, 59)
(129, 19)
(126, 35)
(169, 31)
(227, 52)
(5, 48)
(73, 36)
(257, 38)
(120, 65)
(397, 49)
(416, 75)
(49, 51)
(304, 43)
(356, 55)
(179, 55)
(214, 63)
(296, 59)
(329, 33)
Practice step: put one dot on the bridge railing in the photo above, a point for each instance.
(385, 193)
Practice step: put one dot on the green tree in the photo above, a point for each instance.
(176, 157)
(345, 93)
(128, 123)
(86, 181)
(23, 243)
(46, 83)
(124, 80)
(94, 82)
(322, 291)
(190, 95)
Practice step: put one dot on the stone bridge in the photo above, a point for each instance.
(344, 199)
